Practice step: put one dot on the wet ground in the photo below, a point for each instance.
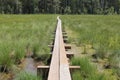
(30, 66)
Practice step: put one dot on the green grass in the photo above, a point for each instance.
(86, 68)
(99, 31)
(87, 71)
(102, 32)
(26, 76)
(22, 33)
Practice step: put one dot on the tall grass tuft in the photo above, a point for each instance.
(26, 76)
(86, 68)
(87, 71)
(21, 35)
(77, 75)
(5, 59)
(102, 32)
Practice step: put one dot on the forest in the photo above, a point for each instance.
(60, 7)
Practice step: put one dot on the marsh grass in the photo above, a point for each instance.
(86, 68)
(87, 71)
(77, 75)
(102, 32)
(26, 76)
(21, 32)
(5, 60)
(114, 61)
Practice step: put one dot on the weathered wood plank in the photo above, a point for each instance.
(64, 65)
(59, 67)
(54, 66)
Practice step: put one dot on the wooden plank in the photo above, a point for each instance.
(65, 36)
(59, 67)
(47, 67)
(54, 66)
(69, 55)
(64, 65)
(43, 67)
(67, 46)
(64, 33)
(74, 67)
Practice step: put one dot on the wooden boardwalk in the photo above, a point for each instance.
(59, 67)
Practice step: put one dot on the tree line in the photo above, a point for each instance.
(60, 6)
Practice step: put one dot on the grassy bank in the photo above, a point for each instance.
(98, 37)
(21, 35)
(87, 71)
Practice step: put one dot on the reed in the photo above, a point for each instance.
(24, 34)
(26, 76)
(100, 31)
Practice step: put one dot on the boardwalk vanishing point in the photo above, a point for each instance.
(59, 68)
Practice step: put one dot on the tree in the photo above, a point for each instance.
(60, 6)
(67, 10)
(56, 6)
(28, 6)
